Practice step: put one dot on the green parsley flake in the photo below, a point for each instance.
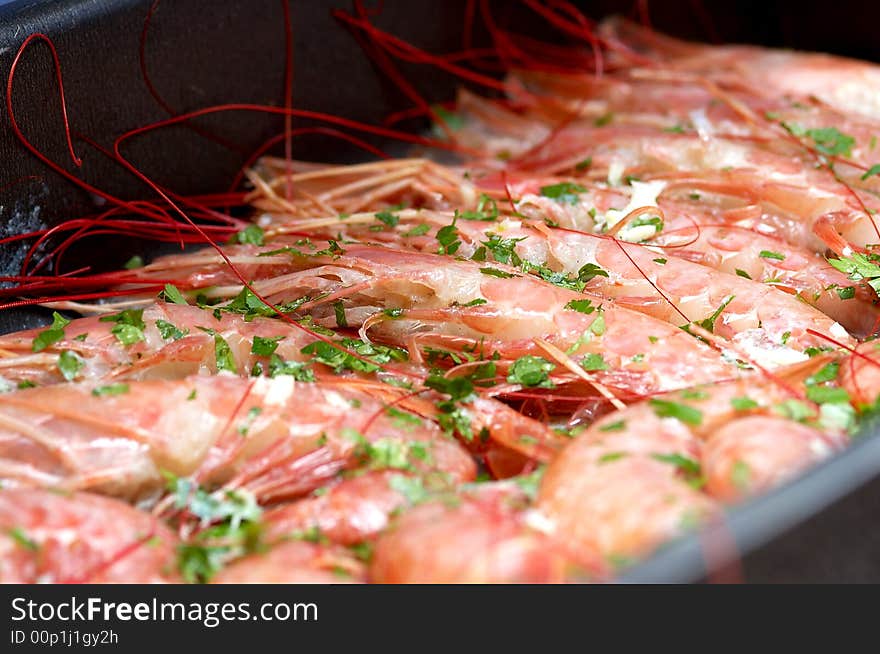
(22, 539)
(388, 218)
(769, 254)
(827, 394)
(135, 262)
(168, 330)
(223, 355)
(860, 267)
(419, 230)
(709, 323)
(582, 306)
(618, 425)
(299, 370)
(743, 403)
(564, 192)
(129, 327)
(265, 346)
(250, 235)
(873, 170)
(682, 412)
(69, 363)
(448, 239)
(172, 294)
(594, 361)
(827, 373)
(494, 272)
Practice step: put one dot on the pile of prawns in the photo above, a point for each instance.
(642, 297)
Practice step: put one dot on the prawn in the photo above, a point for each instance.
(421, 301)
(482, 536)
(51, 537)
(772, 326)
(275, 437)
(719, 443)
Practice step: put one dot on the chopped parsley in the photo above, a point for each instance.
(339, 359)
(582, 306)
(223, 355)
(618, 425)
(689, 467)
(709, 323)
(827, 394)
(453, 120)
(265, 346)
(873, 170)
(743, 403)
(110, 389)
(564, 192)
(831, 141)
(494, 272)
(590, 270)
(412, 488)
(250, 235)
(594, 361)
(135, 262)
(388, 218)
(682, 412)
(860, 267)
(22, 539)
(419, 230)
(448, 239)
(487, 209)
(172, 294)
(402, 419)
(51, 335)
(339, 312)
(769, 254)
(169, 330)
(129, 327)
(794, 410)
(232, 520)
(252, 414)
(827, 373)
(69, 363)
(653, 221)
(502, 249)
(299, 370)
(531, 371)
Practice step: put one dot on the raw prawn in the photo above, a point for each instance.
(276, 437)
(294, 562)
(419, 301)
(770, 325)
(51, 537)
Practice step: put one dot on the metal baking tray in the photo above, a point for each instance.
(821, 527)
